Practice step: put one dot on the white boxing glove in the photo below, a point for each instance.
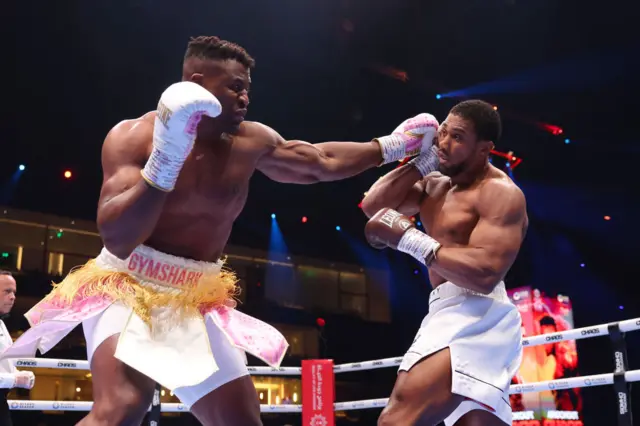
(410, 138)
(427, 161)
(24, 380)
(180, 109)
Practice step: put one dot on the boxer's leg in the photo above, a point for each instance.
(479, 418)
(227, 397)
(233, 404)
(422, 395)
(121, 394)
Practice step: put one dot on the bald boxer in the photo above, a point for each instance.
(10, 377)
(156, 305)
(468, 348)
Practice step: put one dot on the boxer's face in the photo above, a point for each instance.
(459, 147)
(546, 329)
(229, 81)
(7, 293)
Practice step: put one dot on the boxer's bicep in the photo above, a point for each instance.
(501, 227)
(292, 162)
(282, 161)
(382, 195)
(300, 162)
(124, 153)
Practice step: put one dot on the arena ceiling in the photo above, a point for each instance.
(339, 70)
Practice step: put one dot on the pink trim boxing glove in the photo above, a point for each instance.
(180, 109)
(412, 137)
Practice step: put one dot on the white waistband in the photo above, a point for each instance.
(448, 289)
(152, 266)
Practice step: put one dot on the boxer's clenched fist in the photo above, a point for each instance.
(386, 228)
(179, 111)
(389, 228)
(410, 138)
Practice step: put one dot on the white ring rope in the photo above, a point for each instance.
(575, 334)
(573, 382)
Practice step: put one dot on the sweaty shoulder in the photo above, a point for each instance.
(263, 137)
(128, 142)
(436, 184)
(499, 195)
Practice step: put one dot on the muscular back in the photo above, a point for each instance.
(196, 218)
(451, 215)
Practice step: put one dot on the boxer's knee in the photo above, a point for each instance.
(123, 407)
(398, 412)
(405, 409)
(389, 419)
(234, 403)
(479, 418)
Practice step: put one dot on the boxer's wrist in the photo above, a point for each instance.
(24, 380)
(162, 170)
(419, 245)
(393, 148)
(426, 162)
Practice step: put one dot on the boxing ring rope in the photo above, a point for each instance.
(620, 378)
(575, 382)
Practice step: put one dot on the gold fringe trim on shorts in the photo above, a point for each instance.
(91, 280)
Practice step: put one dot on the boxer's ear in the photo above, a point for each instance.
(486, 147)
(197, 78)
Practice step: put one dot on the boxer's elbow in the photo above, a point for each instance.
(486, 286)
(325, 169)
(486, 278)
(371, 205)
(113, 235)
(116, 244)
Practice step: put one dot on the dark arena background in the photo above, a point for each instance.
(562, 74)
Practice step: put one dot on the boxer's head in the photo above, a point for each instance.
(223, 68)
(7, 292)
(548, 325)
(467, 137)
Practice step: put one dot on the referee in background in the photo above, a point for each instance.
(10, 377)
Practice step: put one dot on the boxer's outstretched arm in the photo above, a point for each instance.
(305, 163)
(401, 189)
(129, 208)
(494, 243)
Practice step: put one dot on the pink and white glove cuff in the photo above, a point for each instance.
(394, 147)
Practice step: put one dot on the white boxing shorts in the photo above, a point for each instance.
(231, 361)
(189, 354)
(484, 335)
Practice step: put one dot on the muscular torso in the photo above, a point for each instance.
(450, 214)
(210, 193)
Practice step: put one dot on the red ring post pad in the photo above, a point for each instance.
(318, 392)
